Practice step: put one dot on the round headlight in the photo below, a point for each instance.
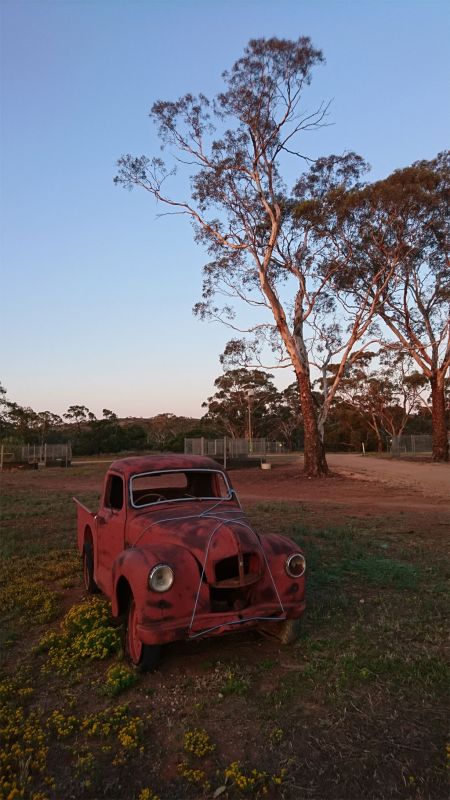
(296, 565)
(160, 578)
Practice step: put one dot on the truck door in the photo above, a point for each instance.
(111, 521)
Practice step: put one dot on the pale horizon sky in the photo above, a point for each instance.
(98, 291)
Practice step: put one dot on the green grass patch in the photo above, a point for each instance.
(375, 617)
(234, 683)
(339, 554)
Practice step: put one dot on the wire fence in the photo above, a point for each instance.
(231, 448)
(227, 447)
(35, 455)
(411, 444)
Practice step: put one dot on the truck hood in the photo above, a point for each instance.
(221, 544)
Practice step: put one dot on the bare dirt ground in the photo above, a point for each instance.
(427, 478)
(360, 486)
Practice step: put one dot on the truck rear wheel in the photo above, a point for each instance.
(88, 569)
(144, 656)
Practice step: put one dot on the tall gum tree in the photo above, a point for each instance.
(235, 148)
(401, 224)
(331, 327)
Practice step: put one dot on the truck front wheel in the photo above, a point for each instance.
(143, 656)
(287, 632)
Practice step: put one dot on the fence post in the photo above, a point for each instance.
(224, 452)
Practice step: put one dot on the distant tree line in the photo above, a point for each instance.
(381, 396)
(377, 401)
(90, 436)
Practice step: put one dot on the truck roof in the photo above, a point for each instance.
(137, 464)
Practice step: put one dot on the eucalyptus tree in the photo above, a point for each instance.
(237, 148)
(286, 420)
(4, 424)
(46, 422)
(242, 395)
(401, 225)
(22, 421)
(385, 390)
(78, 414)
(164, 427)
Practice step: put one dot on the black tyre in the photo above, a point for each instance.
(88, 569)
(144, 656)
(287, 632)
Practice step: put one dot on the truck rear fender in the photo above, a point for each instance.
(86, 525)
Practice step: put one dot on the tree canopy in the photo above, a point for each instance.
(309, 264)
(399, 227)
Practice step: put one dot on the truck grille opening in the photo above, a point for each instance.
(234, 577)
(229, 567)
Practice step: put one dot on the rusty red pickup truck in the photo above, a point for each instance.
(173, 550)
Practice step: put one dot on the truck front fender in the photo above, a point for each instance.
(277, 549)
(134, 565)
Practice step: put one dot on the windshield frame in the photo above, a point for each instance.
(159, 503)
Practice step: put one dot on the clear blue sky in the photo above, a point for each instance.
(97, 292)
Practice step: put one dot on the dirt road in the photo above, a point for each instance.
(425, 477)
(358, 486)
